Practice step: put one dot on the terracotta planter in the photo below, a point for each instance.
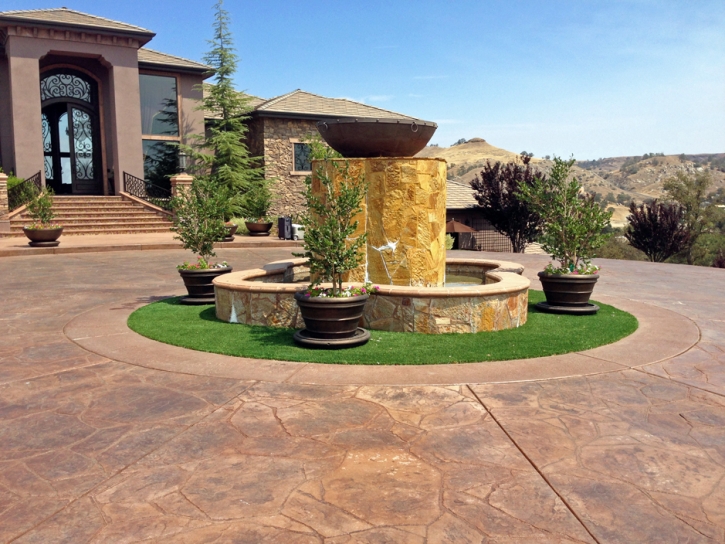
(331, 322)
(568, 293)
(199, 284)
(43, 237)
(231, 229)
(258, 229)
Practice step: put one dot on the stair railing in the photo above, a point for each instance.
(24, 192)
(148, 191)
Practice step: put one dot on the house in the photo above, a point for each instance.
(462, 206)
(87, 108)
(277, 129)
(83, 101)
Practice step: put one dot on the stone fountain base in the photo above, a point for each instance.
(266, 297)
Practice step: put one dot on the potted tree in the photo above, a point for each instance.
(256, 203)
(42, 232)
(572, 231)
(332, 313)
(198, 223)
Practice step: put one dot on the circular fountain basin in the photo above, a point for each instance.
(265, 296)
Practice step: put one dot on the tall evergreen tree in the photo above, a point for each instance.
(222, 156)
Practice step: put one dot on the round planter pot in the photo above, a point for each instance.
(199, 284)
(231, 229)
(43, 237)
(258, 229)
(331, 322)
(568, 293)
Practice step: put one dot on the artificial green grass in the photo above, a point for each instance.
(196, 327)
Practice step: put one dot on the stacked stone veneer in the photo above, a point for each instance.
(266, 297)
(271, 138)
(404, 216)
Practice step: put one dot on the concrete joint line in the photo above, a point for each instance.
(533, 465)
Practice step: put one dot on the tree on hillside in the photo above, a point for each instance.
(496, 192)
(222, 156)
(657, 229)
(690, 192)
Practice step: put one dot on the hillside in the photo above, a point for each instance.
(619, 180)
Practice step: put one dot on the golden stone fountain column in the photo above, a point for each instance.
(404, 215)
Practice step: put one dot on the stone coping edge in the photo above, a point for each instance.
(507, 273)
(662, 335)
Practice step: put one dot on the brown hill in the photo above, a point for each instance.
(620, 179)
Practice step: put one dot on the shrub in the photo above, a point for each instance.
(497, 194)
(329, 224)
(573, 223)
(40, 209)
(657, 229)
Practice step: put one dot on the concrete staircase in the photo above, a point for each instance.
(99, 215)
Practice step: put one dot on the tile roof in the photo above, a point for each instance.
(254, 101)
(149, 56)
(459, 196)
(69, 17)
(300, 102)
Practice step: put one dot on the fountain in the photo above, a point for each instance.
(404, 215)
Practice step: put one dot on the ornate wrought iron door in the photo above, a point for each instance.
(71, 142)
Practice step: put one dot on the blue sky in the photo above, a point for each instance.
(585, 78)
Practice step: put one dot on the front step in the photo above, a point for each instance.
(82, 215)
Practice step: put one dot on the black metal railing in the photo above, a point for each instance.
(145, 190)
(24, 192)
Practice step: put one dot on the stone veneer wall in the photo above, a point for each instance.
(404, 216)
(279, 162)
(414, 311)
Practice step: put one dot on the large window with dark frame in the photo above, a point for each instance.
(159, 127)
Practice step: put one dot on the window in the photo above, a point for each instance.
(159, 128)
(302, 159)
(160, 161)
(159, 111)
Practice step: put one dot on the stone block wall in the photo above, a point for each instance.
(404, 216)
(279, 162)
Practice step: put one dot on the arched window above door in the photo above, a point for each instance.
(64, 85)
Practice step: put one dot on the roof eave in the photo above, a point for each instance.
(143, 36)
(204, 72)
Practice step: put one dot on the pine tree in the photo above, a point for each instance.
(222, 155)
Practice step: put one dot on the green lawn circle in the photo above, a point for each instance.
(197, 328)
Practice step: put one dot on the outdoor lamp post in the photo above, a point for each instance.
(183, 157)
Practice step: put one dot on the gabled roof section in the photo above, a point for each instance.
(459, 196)
(153, 59)
(70, 18)
(304, 104)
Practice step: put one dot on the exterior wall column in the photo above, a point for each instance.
(125, 98)
(4, 210)
(24, 76)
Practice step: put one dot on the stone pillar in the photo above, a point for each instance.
(180, 182)
(4, 210)
(405, 221)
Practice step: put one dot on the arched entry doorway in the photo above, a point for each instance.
(71, 135)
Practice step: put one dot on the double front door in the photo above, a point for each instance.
(71, 148)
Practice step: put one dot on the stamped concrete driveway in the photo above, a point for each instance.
(96, 450)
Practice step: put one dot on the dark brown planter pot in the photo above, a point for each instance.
(568, 293)
(43, 237)
(331, 322)
(199, 284)
(258, 229)
(231, 230)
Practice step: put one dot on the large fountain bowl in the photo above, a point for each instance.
(362, 138)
